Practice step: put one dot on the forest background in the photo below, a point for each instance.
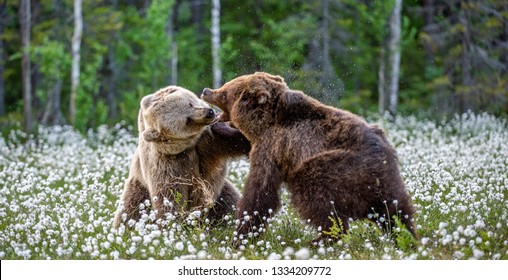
(88, 63)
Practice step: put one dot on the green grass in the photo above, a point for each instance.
(59, 192)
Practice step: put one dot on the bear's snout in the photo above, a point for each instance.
(207, 92)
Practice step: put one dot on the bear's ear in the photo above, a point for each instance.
(272, 78)
(276, 78)
(295, 102)
(146, 101)
(151, 135)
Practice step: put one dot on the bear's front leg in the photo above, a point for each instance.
(229, 141)
(261, 195)
(225, 204)
(134, 194)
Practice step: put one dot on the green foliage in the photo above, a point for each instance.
(403, 238)
(90, 113)
(155, 53)
(453, 57)
(194, 63)
(336, 230)
(367, 29)
(53, 62)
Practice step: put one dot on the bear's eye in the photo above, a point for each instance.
(189, 121)
(190, 104)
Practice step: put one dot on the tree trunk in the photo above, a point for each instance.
(466, 63)
(53, 114)
(394, 49)
(25, 18)
(76, 45)
(215, 29)
(2, 59)
(174, 63)
(327, 65)
(173, 49)
(428, 19)
(504, 39)
(381, 84)
(111, 74)
(111, 77)
(328, 73)
(197, 14)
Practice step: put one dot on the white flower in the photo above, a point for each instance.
(201, 255)
(195, 214)
(274, 256)
(179, 246)
(288, 251)
(191, 249)
(477, 253)
(302, 254)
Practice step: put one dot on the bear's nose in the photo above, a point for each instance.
(210, 114)
(207, 91)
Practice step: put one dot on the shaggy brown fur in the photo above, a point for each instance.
(334, 164)
(180, 162)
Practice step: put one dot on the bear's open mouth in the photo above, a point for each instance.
(222, 117)
(216, 119)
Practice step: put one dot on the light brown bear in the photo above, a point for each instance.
(336, 166)
(180, 162)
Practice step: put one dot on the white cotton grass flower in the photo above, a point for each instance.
(302, 254)
(179, 246)
(478, 254)
(288, 251)
(201, 255)
(59, 192)
(274, 256)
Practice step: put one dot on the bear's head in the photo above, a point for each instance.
(174, 115)
(248, 98)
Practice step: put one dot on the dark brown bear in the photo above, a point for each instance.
(334, 164)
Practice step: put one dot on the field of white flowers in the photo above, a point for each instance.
(59, 191)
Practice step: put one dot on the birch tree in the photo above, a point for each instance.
(76, 45)
(215, 29)
(381, 83)
(3, 21)
(25, 18)
(174, 62)
(394, 57)
(173, 47)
